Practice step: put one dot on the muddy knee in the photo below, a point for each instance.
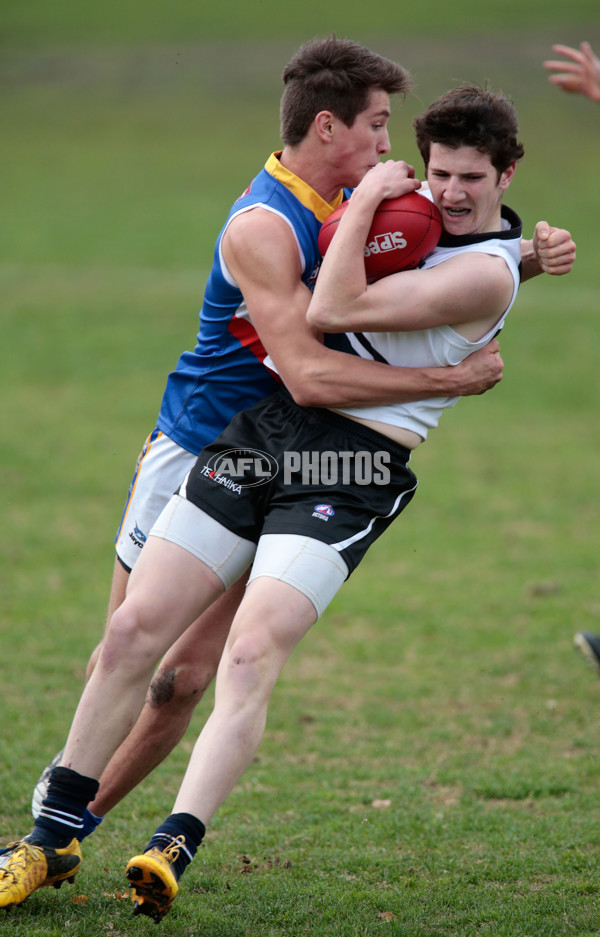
(178, 686)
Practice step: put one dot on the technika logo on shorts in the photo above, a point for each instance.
(235, 469)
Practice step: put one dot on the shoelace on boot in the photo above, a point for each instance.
(172, 851)
(21, 852)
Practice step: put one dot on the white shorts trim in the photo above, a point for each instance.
(161, 467)
(228, 555)
(314, 568)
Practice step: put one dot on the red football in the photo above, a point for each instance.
(404, 232)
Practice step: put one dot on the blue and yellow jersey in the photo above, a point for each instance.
(225, 372)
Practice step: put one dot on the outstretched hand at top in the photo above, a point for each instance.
(580, 74)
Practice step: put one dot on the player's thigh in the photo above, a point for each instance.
(118, 588)
(168, 589)
(272, 618)
(118, 591)
(199, 649)
(189, 560)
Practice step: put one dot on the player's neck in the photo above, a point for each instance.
(312, 170)
(495, 221)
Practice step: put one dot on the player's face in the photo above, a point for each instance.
(466, 188)
(361, 146)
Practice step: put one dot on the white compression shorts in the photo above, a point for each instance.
(313, 568)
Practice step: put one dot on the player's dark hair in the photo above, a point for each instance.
(472, 116)
(334, 75)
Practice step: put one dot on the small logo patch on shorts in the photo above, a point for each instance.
(138, 536)
(323, 512)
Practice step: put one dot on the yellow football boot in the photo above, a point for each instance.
(25, 867)
(153, 882)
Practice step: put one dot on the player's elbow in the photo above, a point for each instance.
(324, 318)
(310, 387)
(308, 394)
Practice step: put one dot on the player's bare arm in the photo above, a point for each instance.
(420, 299)
(277, 302)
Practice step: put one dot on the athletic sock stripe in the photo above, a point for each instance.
(59, 816)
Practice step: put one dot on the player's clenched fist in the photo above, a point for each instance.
(554, 248)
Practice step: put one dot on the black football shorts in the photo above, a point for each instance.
(283, 469)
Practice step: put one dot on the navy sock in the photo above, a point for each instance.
(90, 823)
(179, 824)
(63, 807)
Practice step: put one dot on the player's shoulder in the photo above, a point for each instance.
(260, 247)
(258, 225)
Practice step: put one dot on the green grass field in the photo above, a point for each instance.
(430, 767)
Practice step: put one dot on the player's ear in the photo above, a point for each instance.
(507, 176)
(324, 124)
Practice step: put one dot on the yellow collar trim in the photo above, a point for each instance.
(303, 192)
